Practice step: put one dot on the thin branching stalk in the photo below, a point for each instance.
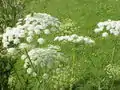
(32, 65)
(70, 87)
(113, 54)
(112, 58)
(113, 51)
(73, 60)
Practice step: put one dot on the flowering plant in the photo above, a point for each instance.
(42, 60)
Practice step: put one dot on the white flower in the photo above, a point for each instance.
(108, 27)
(111, 31)
(26, 25)
(7, 29)
(37, 31)
(97, 30)
(79, 39)
(43, 56)
(100, 24)
(5, 44)
(105, 34)
(53, 47)
(23, 57)
(16, 41)
(38, 27)
(112, 27)
(75, 39)
(29, 39)
(117, 27)
(56, 38)
(10, 38)
(29, 70)
(89, 41)
(86, 40)
(30, 28)
(41, 41)
(27, 60)
(34, 74)
(30, 33)
(74, 36)
(11, 50)
(20, 19)
(21, 35)
(26, 65)
(70, 39)
(47, 31)
(116, 33)
(18, 23)
(23, 46)
(61, 38)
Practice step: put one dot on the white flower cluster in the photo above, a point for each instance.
(30, 29)
(42, 57)
(108, 27)
(11, 50)
(75, 39)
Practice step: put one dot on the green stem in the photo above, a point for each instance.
(111, 87)
(70, 87)
(99, 87)
(73, 60)
(32, 65)
(113, 54)
(113, 51)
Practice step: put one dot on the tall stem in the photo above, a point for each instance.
(32, 65)
(74, 60)
(113, 53)
(112, 58)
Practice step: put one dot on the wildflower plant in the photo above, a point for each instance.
(27, 39)
(42, 58)
(32, 39)
(54, 55)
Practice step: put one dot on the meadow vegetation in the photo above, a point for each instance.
(60, 45)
